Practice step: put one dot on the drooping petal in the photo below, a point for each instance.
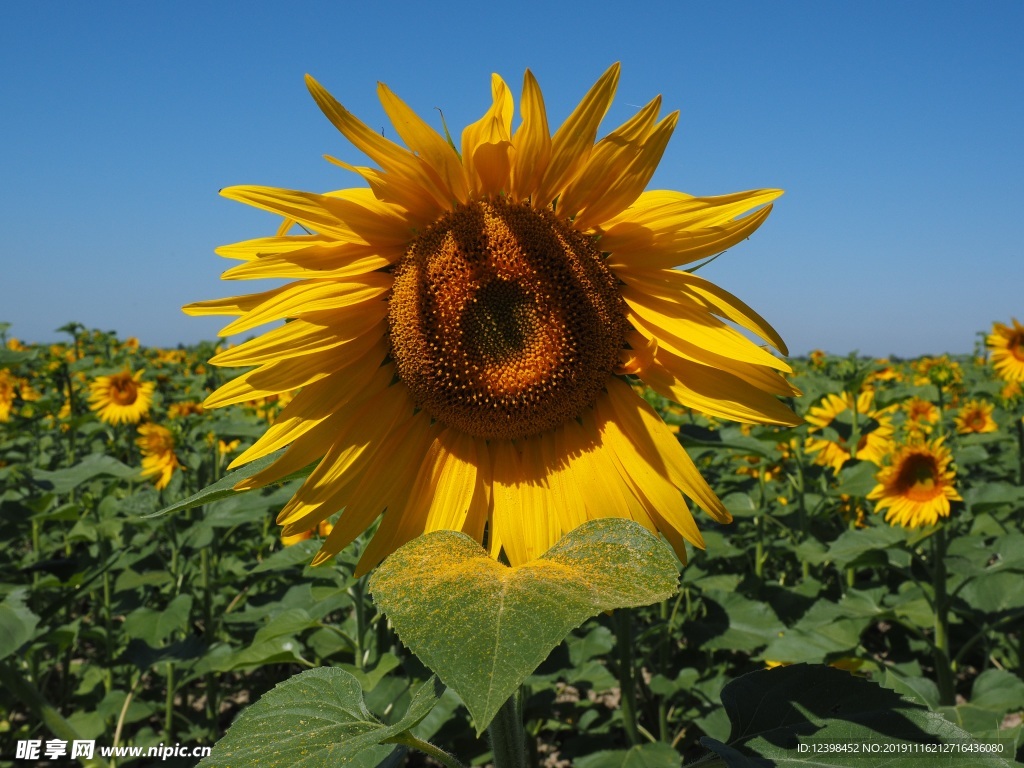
(487, 145)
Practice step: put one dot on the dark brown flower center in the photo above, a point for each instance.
(123, 389)
(918, 477)
(504, 321)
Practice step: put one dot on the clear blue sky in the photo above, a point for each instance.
(895, 129)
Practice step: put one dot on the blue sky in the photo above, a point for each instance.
(895, 129)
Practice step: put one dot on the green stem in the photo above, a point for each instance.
(169, 703)
(408, 740)
(663, 654)
(1020, 450)
(622, 619)
(943, 667)
(759, 548)
(508, 740)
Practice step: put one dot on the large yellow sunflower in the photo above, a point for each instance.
(461, 331)
(916, 486)
(1007, 345)
(839, 412)
(122, 397)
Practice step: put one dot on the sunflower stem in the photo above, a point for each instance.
(1020, 450)
(622, 619)
(507, 737)
(663, 654)
(943, 667)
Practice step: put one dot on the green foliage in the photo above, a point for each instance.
(824, 717)
(483, 626)
(117, 622)
(316, 718)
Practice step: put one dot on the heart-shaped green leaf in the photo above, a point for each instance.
(482, 627)
(315, 718)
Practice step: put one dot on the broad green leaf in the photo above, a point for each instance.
(779, 715)
(482, 627)
(94, 465)
(17, 623)
(316, 718)
(857, 480)
(225, 487)
(854, 544)
(156, 626)
(734, 622)
(998, 690)
(924, 690)
(654, 755)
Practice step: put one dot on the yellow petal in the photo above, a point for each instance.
(312, 296)
(352, 447)
(714, 392)
(487, 146)
(427, 144)
(380, 485)
(623, 188)
(303, 337)
(532, 141)
(513, 505)
(609, 158)
(633, 245)
(670, 285)
(247, 250)
(573, 141)
(328, 263)
(393, 159)
(653, 441)
(349, 215)
(318, 399)
(691, 332)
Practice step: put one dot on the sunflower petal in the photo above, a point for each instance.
(427, 143)
(532, 141)
(572, 143)
(487, 145)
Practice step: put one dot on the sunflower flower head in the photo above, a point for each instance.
(1006, 343)
(462, 330)
(839, 418)
(921, 416)
(122, 398)
(159, 461)
(975, 417)
(917, 485)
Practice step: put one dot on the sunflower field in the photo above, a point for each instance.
(877, 550)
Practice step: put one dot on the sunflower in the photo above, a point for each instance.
(122, 397)
(8, 393)
(462, 332)
(922, 415)
(916, 485)
(975, 416)
(1007, 345)
(158, 458)
(837, 413)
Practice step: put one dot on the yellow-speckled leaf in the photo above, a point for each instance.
(482, 626)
